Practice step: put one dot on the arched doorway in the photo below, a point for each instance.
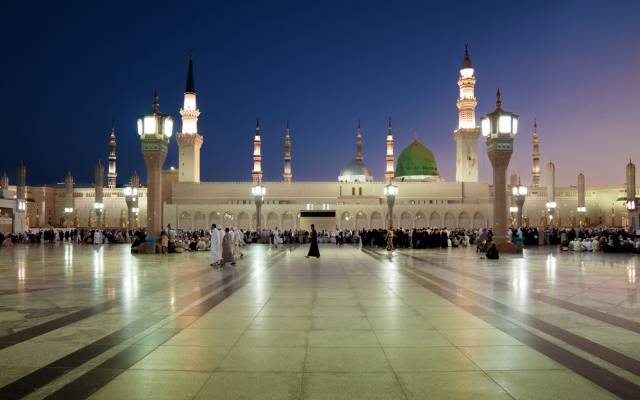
(464, 221)
(434, 220)
(361, 220)
(406, 222)
(376, 220)
(449, 220)
(478, 220)
(243, 220)
(185, 222)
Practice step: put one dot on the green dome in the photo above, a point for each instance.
(416, 161)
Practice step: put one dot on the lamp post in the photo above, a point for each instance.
(519, 194)
(499, 129)
(390, 192)
(581, 209)
(155, 130)
(131, 198)
(258, 191)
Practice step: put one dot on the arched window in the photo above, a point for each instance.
(353, 191)
(359, 191)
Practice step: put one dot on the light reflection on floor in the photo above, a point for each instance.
(348, 325)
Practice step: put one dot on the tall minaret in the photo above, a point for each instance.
(286, 177)
(256, 174)
(535, 169)
(189, 140)
(111, 175)
(389, 173)
(135, 180)
(467, 134)
(359, 156)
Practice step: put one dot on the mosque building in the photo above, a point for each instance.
(355, 200)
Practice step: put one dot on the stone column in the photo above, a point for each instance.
(20, 218)
(99, 193)
(631, 197)
(500, 162)
(154, 159)
(551, 191)
(581, 200)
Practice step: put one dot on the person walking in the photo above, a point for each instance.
(237, 239)
(216, 246)
(389, 240)
(313, 247)
(164, 242)
(227, 248)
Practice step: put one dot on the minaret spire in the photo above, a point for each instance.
(287, 176)
(256, 174)
(156, 102)
(359, 156)
(189, 140)
(498, 100)
(467, 134)
(190, 87)
(389, 172)
(535, 155)
(112, 175)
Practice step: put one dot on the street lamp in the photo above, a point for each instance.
(519, 194)
(258, 191)
(390, 192)
(499, 129)
(131, 198)
(155, 130)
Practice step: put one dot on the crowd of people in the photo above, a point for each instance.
(613, 240)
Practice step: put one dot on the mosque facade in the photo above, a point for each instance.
(355, 200)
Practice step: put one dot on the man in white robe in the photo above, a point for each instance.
(237, 238)
(216, 246)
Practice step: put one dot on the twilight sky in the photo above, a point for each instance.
(68, 68)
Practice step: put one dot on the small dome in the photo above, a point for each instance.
(417, 162)
(355, 171)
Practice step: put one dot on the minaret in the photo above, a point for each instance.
(135, 180)
(257, 158)
(286, 177)
(111, 176)
(99, 193)
(359, 156)
(467, 134)
(189, 140)
(535, 169)
(389, 173)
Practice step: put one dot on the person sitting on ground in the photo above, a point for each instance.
(492, 251)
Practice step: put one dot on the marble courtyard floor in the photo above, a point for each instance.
(83, 322)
